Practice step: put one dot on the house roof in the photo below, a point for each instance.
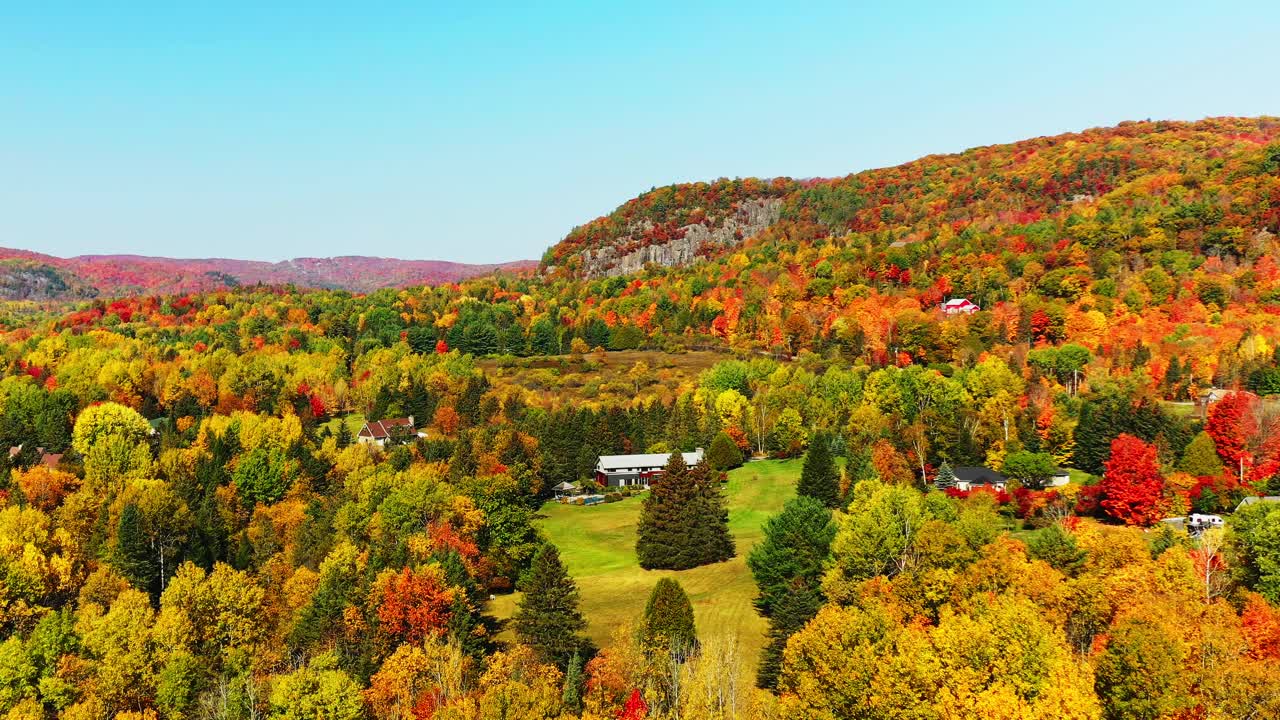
(957, 302)
(565, 486)
(978, 475)
(383, 428)
(646, 460)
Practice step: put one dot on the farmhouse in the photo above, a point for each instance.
(636, 470)
(972, 478)
(959, 306)
(380, 431)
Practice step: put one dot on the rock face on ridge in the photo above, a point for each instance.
(750, 218)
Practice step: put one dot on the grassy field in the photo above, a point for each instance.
(598, 545)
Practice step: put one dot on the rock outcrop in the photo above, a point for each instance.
(748, 220)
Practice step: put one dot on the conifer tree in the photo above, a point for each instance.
(710, 540)
(788, 566)
(791, 613)
(548, 619)
(572, 696)
(664, 518)
(668, 621)
(946, 477)
(684, 522)
(724, 453)
(1201, 458)
(132, 556)
(819, 478)
(344, 433)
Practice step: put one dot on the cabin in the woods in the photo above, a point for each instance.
(637, 470)
(380, 432)
(46, 458)
(972, 478)
(959, 306)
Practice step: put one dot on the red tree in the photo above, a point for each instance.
(1230, 425)
(635, 708)
(413, 604)
(1132, 488)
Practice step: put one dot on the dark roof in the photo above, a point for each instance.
(382, 428)
(978, 475)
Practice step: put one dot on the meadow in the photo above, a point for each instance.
(597, 545)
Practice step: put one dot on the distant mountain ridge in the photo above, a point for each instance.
(27, 275)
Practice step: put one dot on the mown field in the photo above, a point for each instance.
(598, 546)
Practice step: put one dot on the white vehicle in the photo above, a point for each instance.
(1202, 522)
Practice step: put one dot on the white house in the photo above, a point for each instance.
(972, 478)
(637, 470)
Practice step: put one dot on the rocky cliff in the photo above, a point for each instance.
(748, 219)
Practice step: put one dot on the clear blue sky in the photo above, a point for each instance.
(425, 130)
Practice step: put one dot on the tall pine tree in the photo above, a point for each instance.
(548, 619)
(820, 478)
(787, 566)
(132, 556)
(684, 522)
(668, 623)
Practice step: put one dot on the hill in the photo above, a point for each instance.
(1175, 176)
(26, 275)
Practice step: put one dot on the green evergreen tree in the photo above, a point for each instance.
(683, 522)
(572, 696)
(946, 477)
(668, 623)
(665, 525)
(344, 433)
(132, 555)
(548, 619)
(792, 612)
(724, 453)
(1201, 458)
(796, 544)
(710, 540)
(820, 478)
(788, 566)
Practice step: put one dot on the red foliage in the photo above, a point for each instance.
(738, 437)
(1230, 424)
(1029, 502)
(414, 605)
(442, 347)
(1261, 625)
(1001, 496)
(635, 708)
(1132, 488)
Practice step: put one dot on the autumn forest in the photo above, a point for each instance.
(195, 521)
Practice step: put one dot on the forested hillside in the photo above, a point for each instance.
(189, 527)
(28, 275)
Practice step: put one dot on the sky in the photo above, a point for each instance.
(483, 132)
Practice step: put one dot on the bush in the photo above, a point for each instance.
(613, 497)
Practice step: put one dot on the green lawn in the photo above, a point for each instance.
(355, 421)
(597, 544)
